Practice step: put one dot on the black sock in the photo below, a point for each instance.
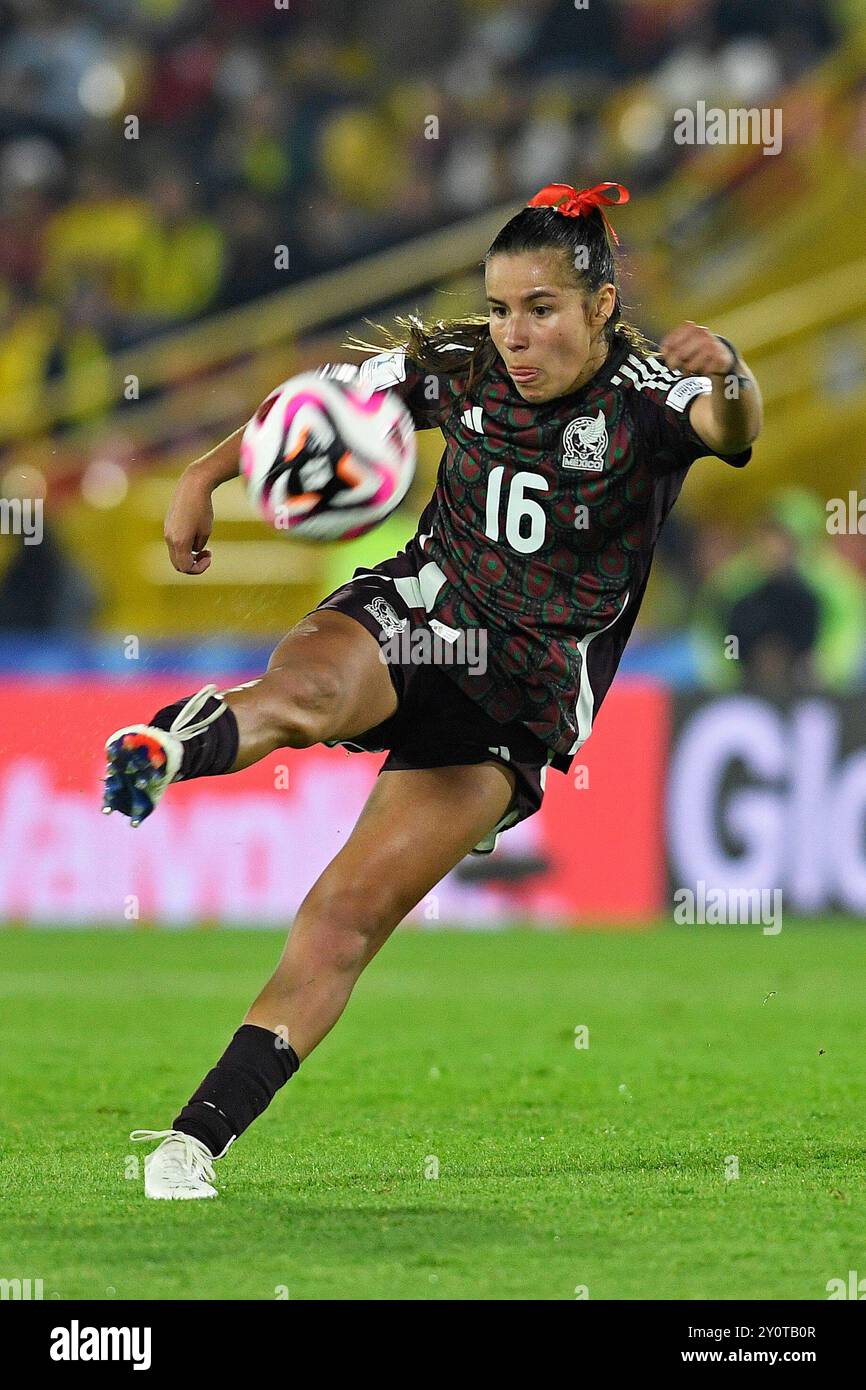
(243, 1083)
(211, 752)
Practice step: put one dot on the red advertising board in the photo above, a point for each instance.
(245, 849)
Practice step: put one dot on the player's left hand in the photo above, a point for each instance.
(695, 351)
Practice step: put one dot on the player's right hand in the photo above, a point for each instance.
(188, 525)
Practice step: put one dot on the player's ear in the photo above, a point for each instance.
(605, 299)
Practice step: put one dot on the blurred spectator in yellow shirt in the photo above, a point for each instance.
(26, 339)
(100, 231)
(179, 261)
(42, 342)
(79, 357)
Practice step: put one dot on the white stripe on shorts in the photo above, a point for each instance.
(585, 707)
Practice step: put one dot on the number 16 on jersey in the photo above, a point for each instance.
(525, 521)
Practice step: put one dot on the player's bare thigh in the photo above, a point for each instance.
(415, 827)
(325, 680)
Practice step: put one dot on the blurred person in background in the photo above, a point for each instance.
(26, 341)
(251, 228)
(42, 588)
(79, 358)
(99, 232)
(179, 260)
(261, 149)
(775, 625)
(67, 342)
(791, 553)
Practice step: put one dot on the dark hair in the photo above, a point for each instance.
(586, 245)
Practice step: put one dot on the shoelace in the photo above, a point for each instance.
(181, 726)
(194, 1155)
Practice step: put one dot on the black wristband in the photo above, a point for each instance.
(732, 370)
(733, 351)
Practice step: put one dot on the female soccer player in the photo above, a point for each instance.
(567, 442)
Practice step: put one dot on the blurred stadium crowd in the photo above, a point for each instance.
(310, 127)
(155, 153)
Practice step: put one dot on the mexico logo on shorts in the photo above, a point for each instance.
(584, 443)
(385, 616)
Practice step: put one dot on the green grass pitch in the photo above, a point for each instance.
(608, 1167)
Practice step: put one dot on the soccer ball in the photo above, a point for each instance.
(325, 458)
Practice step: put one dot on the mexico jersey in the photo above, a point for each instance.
(542, 526)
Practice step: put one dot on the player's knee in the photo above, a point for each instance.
(307, 701)
(345, 924)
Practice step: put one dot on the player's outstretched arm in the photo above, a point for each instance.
(189, 519)
(729, 419)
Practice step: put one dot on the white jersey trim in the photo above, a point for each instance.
(421, 591)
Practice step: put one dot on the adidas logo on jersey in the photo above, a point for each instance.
(472, 418)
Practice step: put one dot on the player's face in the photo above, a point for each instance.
(547, 331)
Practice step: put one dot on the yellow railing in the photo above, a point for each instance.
(224, 340)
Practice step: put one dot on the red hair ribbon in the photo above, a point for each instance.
(572, 203)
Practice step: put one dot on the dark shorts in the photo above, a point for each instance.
(435, 725)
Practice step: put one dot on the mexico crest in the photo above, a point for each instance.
(584, 443)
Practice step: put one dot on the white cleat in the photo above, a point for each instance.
(181, 1169)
